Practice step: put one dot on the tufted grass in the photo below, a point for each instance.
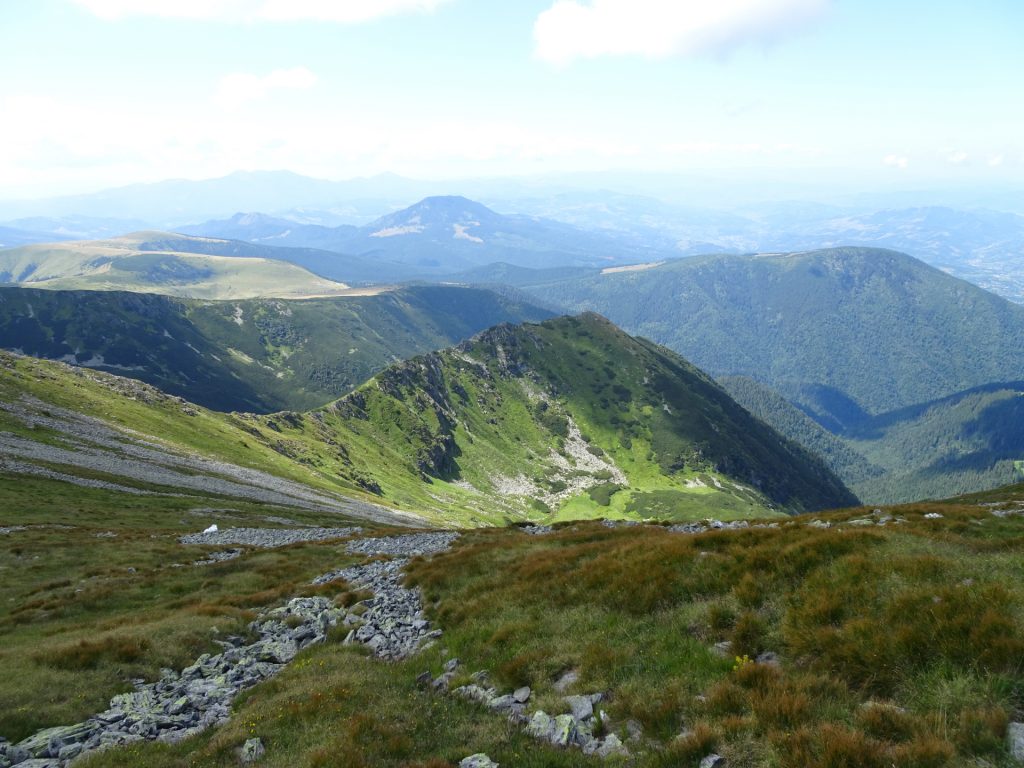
(82, 614)
(899, 646)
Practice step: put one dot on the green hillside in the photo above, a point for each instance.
(963, 443)
(772, 408)
(126, 264)
(248, 355)
(842, 331)
(574, 416)
(570, 418)
(967, 442)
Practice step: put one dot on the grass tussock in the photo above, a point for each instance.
(897, 646)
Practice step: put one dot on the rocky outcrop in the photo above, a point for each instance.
(181, 704)
(393, 622)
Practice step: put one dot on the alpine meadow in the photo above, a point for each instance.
(554, 384)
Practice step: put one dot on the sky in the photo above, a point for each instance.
(101, 93)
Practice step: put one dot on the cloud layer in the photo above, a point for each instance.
(241, 87)
(340, 11)
(571, 29)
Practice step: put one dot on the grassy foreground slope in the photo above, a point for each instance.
(898, 641)
(253, 355)
(124, 263)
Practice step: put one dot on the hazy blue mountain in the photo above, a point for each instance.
(274, 231)
(12, 237)
(179, 201)
(79, 227)
(442, 235)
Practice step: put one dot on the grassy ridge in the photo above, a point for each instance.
(516, 403)
(569, 418)
(123, 263)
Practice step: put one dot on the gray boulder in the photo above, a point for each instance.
(479, 760)
(581, 706)
(1015, 741)
(252, 751)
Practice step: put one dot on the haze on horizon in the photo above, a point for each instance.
(101, 93)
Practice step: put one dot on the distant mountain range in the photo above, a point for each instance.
(841, 330)
(442, 235)
(982, 245)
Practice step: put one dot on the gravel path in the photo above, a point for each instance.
(91, 444)
(268, 537)
(394, 625)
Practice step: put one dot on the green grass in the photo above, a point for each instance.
(82, 614)
(899, 645)
(336, 707)
(435, 435)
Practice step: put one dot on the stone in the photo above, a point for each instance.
(441, 683)
(451, 665)
(1015, 741)
(634, 730)
(49, 742)
(768, 657)
(178, 706)
(424, 679)
(581, 706)
(567, 680)
(479, 760)
(541, 725)
(713, 761)
(933, 516)
(252, 751)
(522, 695)
(564, 730)
(723, 649)
(612, 746)
(502, 703)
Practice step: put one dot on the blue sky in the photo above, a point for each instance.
(99, 93)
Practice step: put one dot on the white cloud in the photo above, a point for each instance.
(79, 145)
(341, 11)
(570, 29)
(957, 157)
(241, 87)
(896, 161)
(995, 161)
